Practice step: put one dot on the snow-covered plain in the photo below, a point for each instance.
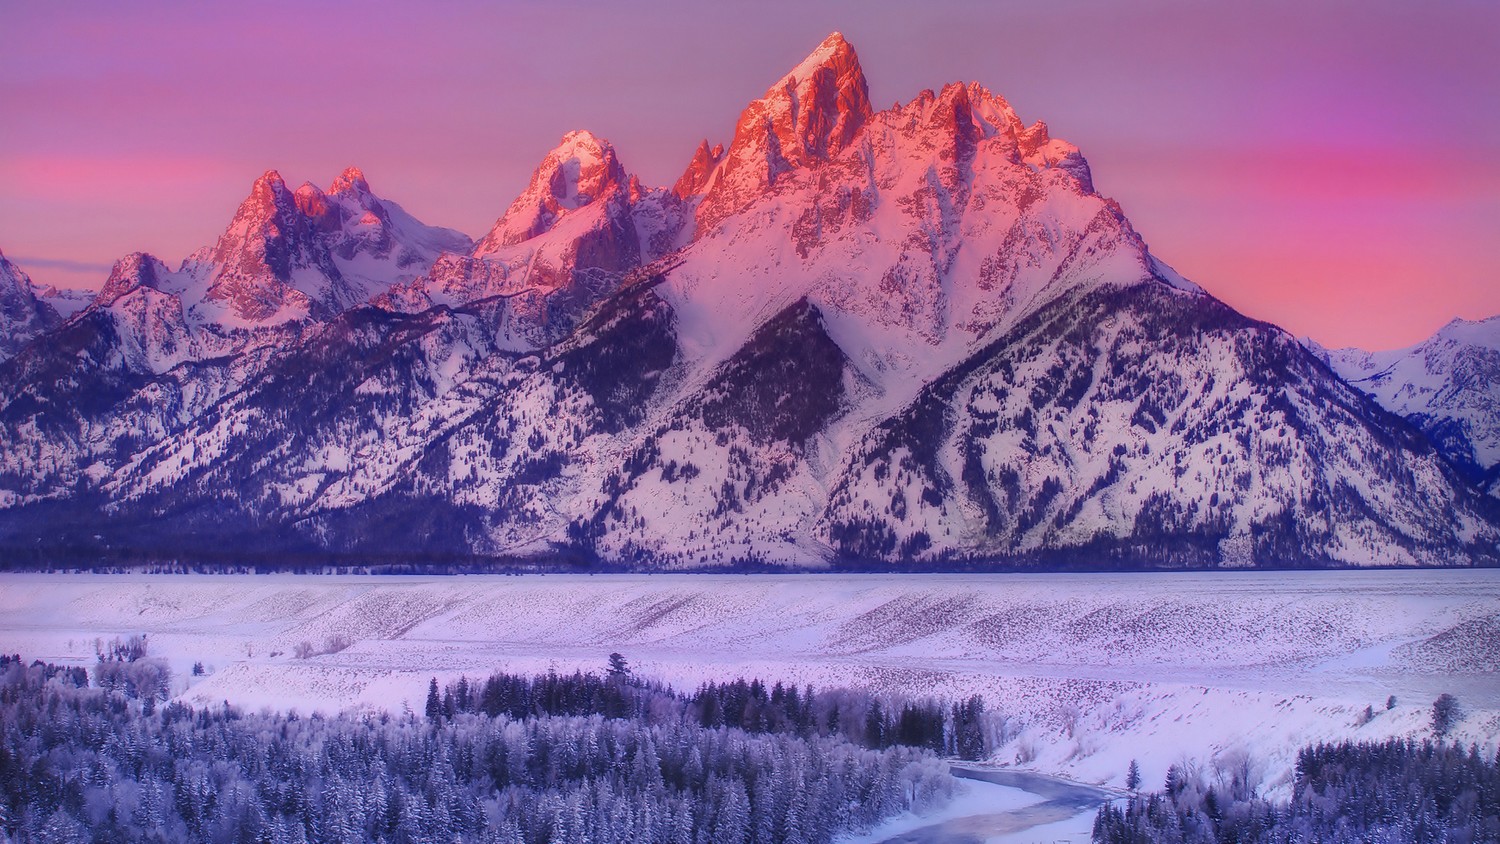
(1217, 670)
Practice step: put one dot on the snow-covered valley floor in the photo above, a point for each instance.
(1218, 670)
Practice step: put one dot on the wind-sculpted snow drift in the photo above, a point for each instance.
(915, 336)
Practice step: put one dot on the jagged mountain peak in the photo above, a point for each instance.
(291, 255)
(818, 107)
(581, 225)
(813, 116)
(271, 236)
(267, 192)
(968, 112)
(351, 181)
(311, 200)
(581, 170)
(827, 95)
(805, 118)
(695, 178)
(136, 270)
(268, 198)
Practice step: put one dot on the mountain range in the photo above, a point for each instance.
(915, 337)
(1447, 385)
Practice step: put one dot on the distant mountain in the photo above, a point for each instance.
(158, 347)
(913, 337)
(1447, 385)
(65, 301)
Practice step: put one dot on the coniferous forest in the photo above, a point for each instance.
(555, 758)
(1393, 792)
(100, 756)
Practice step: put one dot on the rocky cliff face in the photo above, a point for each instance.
(911, 337)
(22, 315)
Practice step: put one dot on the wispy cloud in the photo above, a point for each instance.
(59, 264)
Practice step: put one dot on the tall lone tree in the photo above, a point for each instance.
(1444, 714)
(434, 703)
(1133, 776)
(618, 667)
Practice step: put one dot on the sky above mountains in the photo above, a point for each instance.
(1333, 169)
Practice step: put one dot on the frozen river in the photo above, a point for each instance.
(1091, 669)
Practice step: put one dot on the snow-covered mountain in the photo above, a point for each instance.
(23, 315)
(1448, 385)
(293, 255)
(158, 347)
(566, 242)
(913, 336)
(288, 259)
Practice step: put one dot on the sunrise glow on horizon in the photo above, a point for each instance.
(1335, 171)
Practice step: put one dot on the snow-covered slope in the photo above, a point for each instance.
(1448, 385)
(22, 315)
(913, 336)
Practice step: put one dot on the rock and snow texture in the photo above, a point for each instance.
(23, 315)
(1448, 385)
(290, 255)
(570, 239)
(915, 335)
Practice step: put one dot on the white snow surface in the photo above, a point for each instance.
(1090, 671)
(972, 797)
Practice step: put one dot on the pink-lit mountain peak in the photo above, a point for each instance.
(818, 108)
(815, 116)
(266, 212)
(292, 254)
(581, 171)
(136, 270)
(805, 118)
(350, 182)
(813, 111)
(698, 171)
(270, 193)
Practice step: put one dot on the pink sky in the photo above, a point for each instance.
(1335, 170)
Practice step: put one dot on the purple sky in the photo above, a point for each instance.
(1333, 169)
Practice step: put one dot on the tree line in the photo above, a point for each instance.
(507, 760)
(963, 729)
(1391, 792)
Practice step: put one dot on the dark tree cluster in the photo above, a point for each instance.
(863, 718)
(855, 716)
(82, 764)
(1388, 793)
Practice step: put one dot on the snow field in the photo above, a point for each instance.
(1221, 672)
